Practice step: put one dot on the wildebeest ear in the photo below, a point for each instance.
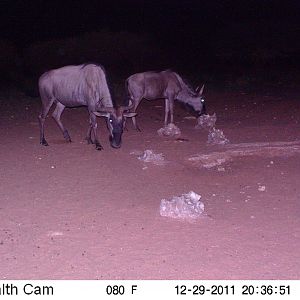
(101, 114)
(129, 114)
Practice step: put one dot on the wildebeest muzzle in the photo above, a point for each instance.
(203, 110)
(116, 138)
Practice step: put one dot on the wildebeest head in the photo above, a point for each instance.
(201, 102)
(195, 101)
(115, 120)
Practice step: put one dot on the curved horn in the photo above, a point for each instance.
(104, 111)
(128, 107)
(201, 91)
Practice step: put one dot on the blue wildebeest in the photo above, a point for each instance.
(166, 85)
(83, 85)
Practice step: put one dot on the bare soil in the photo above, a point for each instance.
(68, 211)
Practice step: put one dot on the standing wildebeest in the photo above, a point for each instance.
(83, 85)
(166, 85)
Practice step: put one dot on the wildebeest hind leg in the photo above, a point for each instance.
(42, 117)
(56, 115)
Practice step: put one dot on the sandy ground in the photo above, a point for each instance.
(68, 211)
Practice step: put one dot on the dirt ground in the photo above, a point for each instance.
(68, 211)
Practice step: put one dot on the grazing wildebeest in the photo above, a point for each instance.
(83, 85)
(166, 85)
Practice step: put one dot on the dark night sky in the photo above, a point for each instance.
(187, 31)
(26, 21)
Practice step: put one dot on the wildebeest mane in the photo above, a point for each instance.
(185, 83)
(109, 85)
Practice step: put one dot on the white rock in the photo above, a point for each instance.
(169, 130)
(150, 156)
(186, 206)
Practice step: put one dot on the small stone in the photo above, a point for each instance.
(262, 188)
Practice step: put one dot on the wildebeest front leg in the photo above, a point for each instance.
(94, 131)
(89, 134)
(167, 110)
(56, 116)
(171, 104)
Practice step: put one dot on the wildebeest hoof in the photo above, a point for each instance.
(44, 142)
(67, 136)
(89, 140)
(99, 147)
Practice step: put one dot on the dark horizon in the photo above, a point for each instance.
(210, 36)
(24, 22)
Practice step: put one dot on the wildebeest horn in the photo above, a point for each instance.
(104, 111)
(125, 108)
(129, 114)
(201, 91)
(125, 111)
